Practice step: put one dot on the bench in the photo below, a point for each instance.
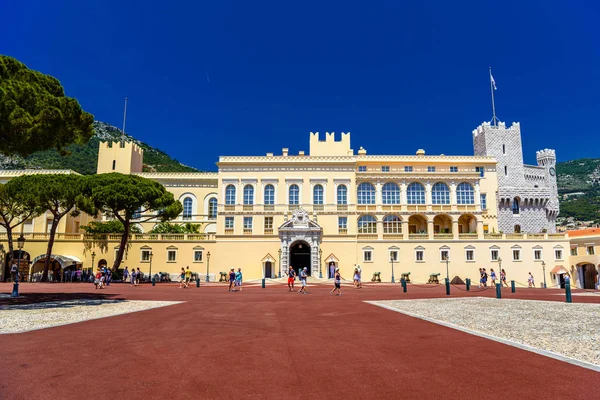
(376, 277)
(433, 278)
(406, 277)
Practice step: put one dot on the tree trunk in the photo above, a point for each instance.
(50, 245)
(122, 245)
(8, 261)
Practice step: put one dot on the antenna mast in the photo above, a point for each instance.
(124, 120)
(492, 88)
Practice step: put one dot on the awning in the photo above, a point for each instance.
(64, 261)
(559, 269)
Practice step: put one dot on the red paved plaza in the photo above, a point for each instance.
(273, 344)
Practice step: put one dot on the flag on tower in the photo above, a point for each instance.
(493, 81)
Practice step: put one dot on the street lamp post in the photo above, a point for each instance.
(392, 259)
(207, 265)
(499, 282)
(20, 244)
(279, 273)
(544, 269)
(320, 263)
(93, 258)
(150, 256)
(447, 259)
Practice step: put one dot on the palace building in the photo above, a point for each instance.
(333, 206)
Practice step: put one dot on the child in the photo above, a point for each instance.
(97, 281)
(133, 277)
(337, 282)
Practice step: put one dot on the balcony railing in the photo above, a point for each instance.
(318, 207)
(367, 236)
(393, 236)
(443, 236)
(268, 231)
(248, 207)
(342, 207)
(467, 236)
(418, 236)
(269, 207)
(342, 231)
(247, 231)
(229, 231)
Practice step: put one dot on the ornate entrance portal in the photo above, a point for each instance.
(300, 241)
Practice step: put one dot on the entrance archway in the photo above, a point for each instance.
(300, 256)
(587, 275)
(268, 269)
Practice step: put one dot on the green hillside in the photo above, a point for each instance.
(83, 159)
(579, 189)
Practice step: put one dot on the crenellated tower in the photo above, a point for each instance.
(547, 159)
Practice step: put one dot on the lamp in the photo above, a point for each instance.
(93, 258)
(447, 259)
(207, 265)
(20, 244)
(279, 252)
(544, 269)
(320, 263)
(150, 256)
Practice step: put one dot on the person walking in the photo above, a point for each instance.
(188, 277)
(125, 274)
(531, 281)
(133, 277)
(238, 278)
(480, 277)
(291, 278)
(337, 282)
(355, 278)
(503, 278)
(493, 277)
(303, 278)
(232, 280)
(485, 278)
(359, 276)
(138, 276)
(182, 278)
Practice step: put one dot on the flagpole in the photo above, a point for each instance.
(124, 119)
(494, 118)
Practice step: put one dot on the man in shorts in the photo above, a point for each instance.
(303, 277)
(291, 278)
(188, 276)
(359, 276)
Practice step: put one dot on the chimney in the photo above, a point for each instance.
(301, 153)
(285, 151)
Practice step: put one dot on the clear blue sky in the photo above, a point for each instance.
(210, 78)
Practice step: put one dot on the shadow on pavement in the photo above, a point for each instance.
(54, 300)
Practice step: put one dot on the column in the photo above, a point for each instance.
(428, 199)
(477, 195)
(403, 198)
(378, 195)
(405, 227)
(430, 228)
(453, 195)
(480, 229)
(454, 229)
(380, 227)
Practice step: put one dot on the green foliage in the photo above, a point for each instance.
(84, 158)
(167, 227)
(13, 213)
(583, 176)
(124, 196)
(583, 208)
(108, 227)
(35, 114)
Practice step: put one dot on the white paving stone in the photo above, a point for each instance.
(569, 330)
(28, 317)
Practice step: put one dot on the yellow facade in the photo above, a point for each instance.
(263, 213)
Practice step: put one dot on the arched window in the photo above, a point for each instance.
(465, 194)
(415, 193)
(366, 193)
(390, 193)
(318, 194)
(269, 195)
(517, 228)
(212, 208)
(342, 194)
(367, 224)
(137, 214)
(230, 195)
(515, 206)
(294, 195)
(440, 193)
(248, 195)
(392, 224)
(187, 208)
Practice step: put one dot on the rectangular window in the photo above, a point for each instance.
(453, 169)
(114, 164)
(367, 255)
(516, 255)
(408, 169)
(145, 256)
(494, 255)
(558, 255)
(444, 255)
(247, 222)
(228, 222)
(590, 250)
(362, 168)
(573, 251)
(483, 201)
(343, 222)
(394, 255)
(470, 255)
(537, 255)
(481, 171)
(198, 255)
(505, 170)
(430, 169)
(171, 255)
(419, 255)
(268, 222)
(385, 168)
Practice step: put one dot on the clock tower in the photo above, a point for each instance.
(547, 159)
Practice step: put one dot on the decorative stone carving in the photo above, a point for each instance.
(300, 228)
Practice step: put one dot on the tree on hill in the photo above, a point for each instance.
(35, 114)
(127, 198)
(56, 193)
(12, 214)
